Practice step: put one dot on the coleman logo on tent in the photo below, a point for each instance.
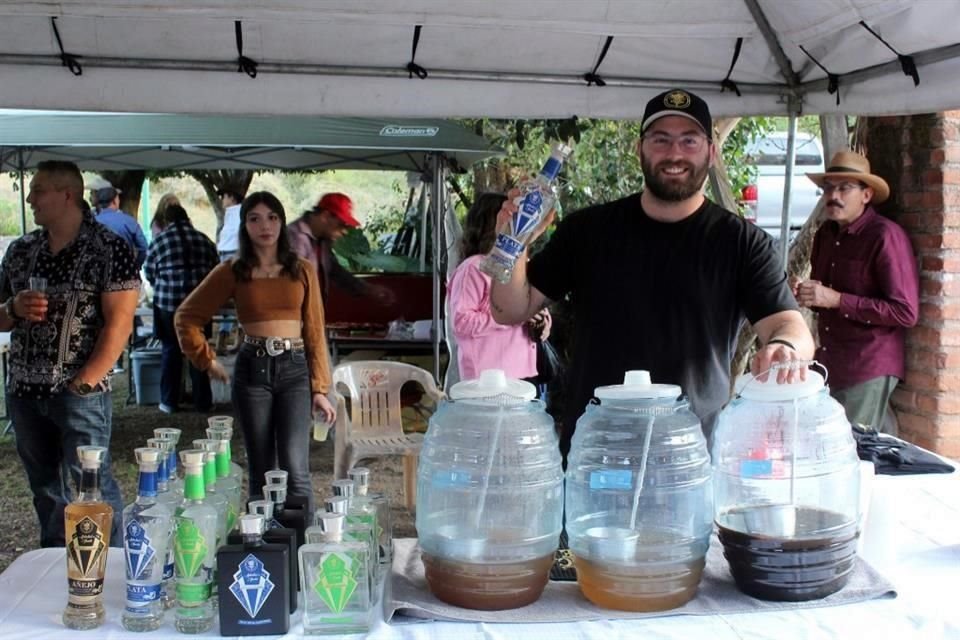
(677, 100)
(395, 130)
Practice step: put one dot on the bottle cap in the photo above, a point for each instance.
(90, 456)
(147, 456)
(561, 150)
(770, 391)
(492, 384)
(207, 444)
(637, 386)
(168, 433)
(337, 504)
(220, 422)
(192, 457)
(361, 479)
(343, 488)
(331, 525)
(261, 507)
(160, 444)
(276, 476)
(251, 524)
(276, 493)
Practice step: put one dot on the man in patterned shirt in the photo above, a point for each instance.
(64, 341)
(178, 259)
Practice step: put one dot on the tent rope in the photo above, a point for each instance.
(68, 60)
(593, 77)
(833, 80)
(907, 63)
(727, 83)
(245, 64)
(412, 66)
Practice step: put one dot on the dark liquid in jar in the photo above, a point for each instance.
(489, 587)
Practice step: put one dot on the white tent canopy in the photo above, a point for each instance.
(482, 57)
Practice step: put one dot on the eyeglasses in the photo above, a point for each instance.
(689, 143)
(843, 188)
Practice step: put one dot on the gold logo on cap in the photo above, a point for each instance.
(677, 100)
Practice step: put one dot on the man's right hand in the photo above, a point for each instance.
(509, 207)
(31, 305)
(216, 371)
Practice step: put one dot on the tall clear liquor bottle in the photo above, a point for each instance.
(172, 436)
(147, 532)
(172, 500)
(384, 530)
(194, 546)
(88, 520)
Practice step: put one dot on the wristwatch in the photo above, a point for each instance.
(10, 310)
(82, 388)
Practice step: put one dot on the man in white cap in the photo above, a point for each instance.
(864, 287)
(663, 279)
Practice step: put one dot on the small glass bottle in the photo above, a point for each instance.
(172, 436)
(194, 545)
(355, 531)
(226, 514)
(226, 483)
(293, 518)
(537, 197)
(253, 583)
(361, 480)
(147, 531)
(221, 428)
(169, 498)
(88, 520)
(279, 476)
(361, 513)
(335, 582)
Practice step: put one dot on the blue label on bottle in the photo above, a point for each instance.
(508, 245)
(551, 168)
(611, 479)
(251, 585)
(452, 478)
(143, 593)
(138, 551)
(528, 213)
(168, 570)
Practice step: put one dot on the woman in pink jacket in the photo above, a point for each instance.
(481, 342)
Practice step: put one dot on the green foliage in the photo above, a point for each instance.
(740, 169)
(355, 253)
(9, 218)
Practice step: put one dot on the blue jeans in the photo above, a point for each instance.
(48, 432)
(272, 399)
(171, 365)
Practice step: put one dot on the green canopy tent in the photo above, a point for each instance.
(106, 141)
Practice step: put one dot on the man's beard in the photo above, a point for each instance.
(673, 190)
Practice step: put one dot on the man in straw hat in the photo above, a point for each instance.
(864, 287)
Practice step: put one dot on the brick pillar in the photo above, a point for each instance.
(920, 157)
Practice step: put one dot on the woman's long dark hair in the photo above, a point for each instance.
(246, 259)
(480, 225)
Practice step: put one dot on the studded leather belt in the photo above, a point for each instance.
(275, 346)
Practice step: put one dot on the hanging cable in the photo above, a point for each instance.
(593, 77)
(412, 66)
(907, 63)
(68, 60)
(833, 80)
(245, 64)
(727, 83)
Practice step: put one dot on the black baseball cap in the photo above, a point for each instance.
(677, 102)
(106, 195)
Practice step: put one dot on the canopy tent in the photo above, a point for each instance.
(538, 58)
(103, 141)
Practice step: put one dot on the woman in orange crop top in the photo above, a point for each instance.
(282, 373)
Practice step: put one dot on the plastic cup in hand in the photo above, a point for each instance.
(321, 428)
(39, 284)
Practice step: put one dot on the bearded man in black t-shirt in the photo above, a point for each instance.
(661, 280)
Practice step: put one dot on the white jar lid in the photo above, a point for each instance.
(492, 383)
(770, 391)
(637, 386)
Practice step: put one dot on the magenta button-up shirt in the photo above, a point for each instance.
(871, 263)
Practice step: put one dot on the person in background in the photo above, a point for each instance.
(482, 342)
(121, 223)
(282, 372)
(312, 237)
(865, 289)
(178, 259)
(64, 342)
(227, 243)
(663, 279)
(159, 221)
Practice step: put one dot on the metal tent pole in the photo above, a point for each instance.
(438, 203)
(787, 188)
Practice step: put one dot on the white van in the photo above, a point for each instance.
(769, 154)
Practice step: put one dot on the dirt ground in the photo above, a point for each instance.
(132, 425)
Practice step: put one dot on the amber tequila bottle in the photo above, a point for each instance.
(88, 521)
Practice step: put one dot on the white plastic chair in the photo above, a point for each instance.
(374, 427)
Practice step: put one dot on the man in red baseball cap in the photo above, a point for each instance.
(312, 236)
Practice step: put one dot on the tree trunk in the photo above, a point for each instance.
(212, 181)
(130, 184)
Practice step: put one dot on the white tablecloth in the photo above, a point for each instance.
(925, 528)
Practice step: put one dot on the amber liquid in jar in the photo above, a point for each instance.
(488, 587)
